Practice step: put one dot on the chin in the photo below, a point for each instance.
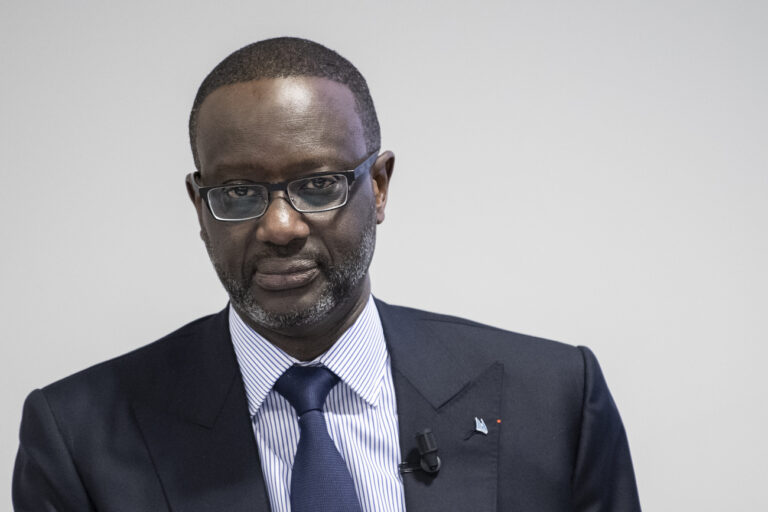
(299, 311)
(297, 315)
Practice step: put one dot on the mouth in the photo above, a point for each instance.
(276, 275)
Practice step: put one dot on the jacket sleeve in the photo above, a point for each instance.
(45, 478)
(603, 479)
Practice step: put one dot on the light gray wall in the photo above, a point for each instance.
(593, 172)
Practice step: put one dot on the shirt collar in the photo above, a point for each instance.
(358, 357)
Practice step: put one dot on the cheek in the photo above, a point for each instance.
(362, 205)
(346, 233)
(228, 242)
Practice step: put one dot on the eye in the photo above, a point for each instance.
(238, 192)
(319, 183)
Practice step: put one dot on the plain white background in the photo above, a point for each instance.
(593, 172)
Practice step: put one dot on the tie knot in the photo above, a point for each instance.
(306, 387)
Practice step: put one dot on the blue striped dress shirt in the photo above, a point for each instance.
(360, 411)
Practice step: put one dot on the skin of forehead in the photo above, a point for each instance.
(258, 120)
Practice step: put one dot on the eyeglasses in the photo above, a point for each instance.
(314, 193)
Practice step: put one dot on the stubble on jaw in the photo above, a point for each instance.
(341, 279)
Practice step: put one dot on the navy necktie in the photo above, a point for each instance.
(320, 481)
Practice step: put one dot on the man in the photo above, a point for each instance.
(305, 393)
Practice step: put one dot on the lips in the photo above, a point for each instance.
(278, 274)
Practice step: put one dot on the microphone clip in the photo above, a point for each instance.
(429, 461)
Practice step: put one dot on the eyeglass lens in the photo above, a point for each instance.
(311, 194)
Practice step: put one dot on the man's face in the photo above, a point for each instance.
(288, 271)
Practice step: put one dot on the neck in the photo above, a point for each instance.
(308, 343)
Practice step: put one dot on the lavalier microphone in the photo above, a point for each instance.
(429, 461)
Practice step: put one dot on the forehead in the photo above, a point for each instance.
(274, 123)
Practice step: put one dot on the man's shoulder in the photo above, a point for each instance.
(142, 369)
(464, 336)
(465, 329)
(428, 346)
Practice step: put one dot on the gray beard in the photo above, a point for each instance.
(341, 280)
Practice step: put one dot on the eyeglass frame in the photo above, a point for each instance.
(350, 176)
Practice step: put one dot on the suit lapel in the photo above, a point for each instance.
(201, 441)
(199, 434)
(439, 388)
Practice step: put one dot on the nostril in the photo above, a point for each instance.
(281, 223)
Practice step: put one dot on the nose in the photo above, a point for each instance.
(281, 223)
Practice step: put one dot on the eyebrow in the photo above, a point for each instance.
(235, 170)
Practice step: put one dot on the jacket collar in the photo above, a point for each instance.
(201, 439)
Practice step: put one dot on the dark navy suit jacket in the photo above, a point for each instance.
(166, 427)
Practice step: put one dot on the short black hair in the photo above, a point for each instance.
(283, 57)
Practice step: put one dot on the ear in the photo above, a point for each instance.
(381, 174)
